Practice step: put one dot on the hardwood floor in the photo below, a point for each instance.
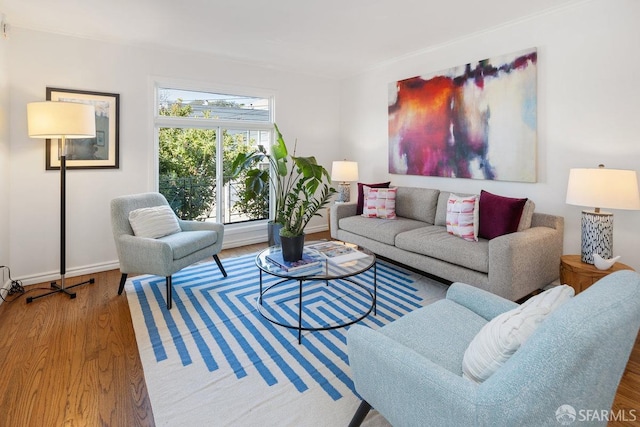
(76, 363)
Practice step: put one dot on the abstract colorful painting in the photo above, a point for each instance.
(473, 121)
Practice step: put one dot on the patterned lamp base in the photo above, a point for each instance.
(344, 192)
(597, 235)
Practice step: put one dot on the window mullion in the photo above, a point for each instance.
(220, 187)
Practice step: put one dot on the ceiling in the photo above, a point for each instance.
(329, 38)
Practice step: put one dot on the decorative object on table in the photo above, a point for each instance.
(604, 188)
(344, 172)
(64, 120)
(467, 121)
(306, 260)
(581, 275)
(292, 247)
(295, 181)
(337, 253)
(100, 151)
(604, 264)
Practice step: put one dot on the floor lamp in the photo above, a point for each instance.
(61, 120)
(604, 188)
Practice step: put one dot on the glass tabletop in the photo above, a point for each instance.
(326, 260)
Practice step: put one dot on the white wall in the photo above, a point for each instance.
(305, 109)
(588, 107)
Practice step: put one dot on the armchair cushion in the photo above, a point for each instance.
(444, 341)
(499, 339)
(154, 222)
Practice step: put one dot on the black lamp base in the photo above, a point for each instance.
(597, 235)
(61, 289)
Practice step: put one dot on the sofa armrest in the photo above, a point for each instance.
(522, 262)
(481, 302)
(405, 387)
(339, 211)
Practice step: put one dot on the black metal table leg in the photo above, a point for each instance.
(375, 289)
(260, 286)
(300, 314)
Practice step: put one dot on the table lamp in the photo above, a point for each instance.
(61, 120)
(604, 188)
(344, 172)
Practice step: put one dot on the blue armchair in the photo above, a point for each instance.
(166, 255)
(410, 370)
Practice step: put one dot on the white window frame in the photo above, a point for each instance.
(218, 124)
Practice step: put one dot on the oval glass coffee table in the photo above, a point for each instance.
(331, 279)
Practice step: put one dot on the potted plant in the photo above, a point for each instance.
(302, 187)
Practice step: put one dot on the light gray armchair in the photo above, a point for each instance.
(166, 255)
(411, 370)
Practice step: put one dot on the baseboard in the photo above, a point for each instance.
(71, 272)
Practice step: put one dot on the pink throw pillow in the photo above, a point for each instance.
(380, 203)
(361, 197)
(462, 217)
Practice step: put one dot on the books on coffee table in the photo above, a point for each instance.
(307, 261)
(337, 253)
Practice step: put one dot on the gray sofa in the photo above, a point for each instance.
(512, 265)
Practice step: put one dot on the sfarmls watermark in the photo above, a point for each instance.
(567, 415)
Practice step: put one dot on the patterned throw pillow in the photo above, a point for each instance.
(361, 193)
(380, 203)
(462, 217)
(499, 339)
(154, 222)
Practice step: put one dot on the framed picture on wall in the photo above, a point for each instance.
(100, 152)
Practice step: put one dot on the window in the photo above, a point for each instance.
(199, 134)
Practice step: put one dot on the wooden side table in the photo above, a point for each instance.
(580, 275)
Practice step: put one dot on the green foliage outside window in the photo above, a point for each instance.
(187, 168)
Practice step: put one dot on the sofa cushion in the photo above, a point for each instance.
(380, 203)
(462, 217)
(499, 339)
(499, 215)
(435, 242)
(154, 222)
(381, 230)
(417, 203)
(361, 195)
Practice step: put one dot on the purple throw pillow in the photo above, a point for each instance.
(499, 215)
(360, 204)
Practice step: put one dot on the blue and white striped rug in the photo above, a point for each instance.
(213, 360)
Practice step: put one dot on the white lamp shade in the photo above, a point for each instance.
(344, 171)
(603, 188)
(53, 119)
